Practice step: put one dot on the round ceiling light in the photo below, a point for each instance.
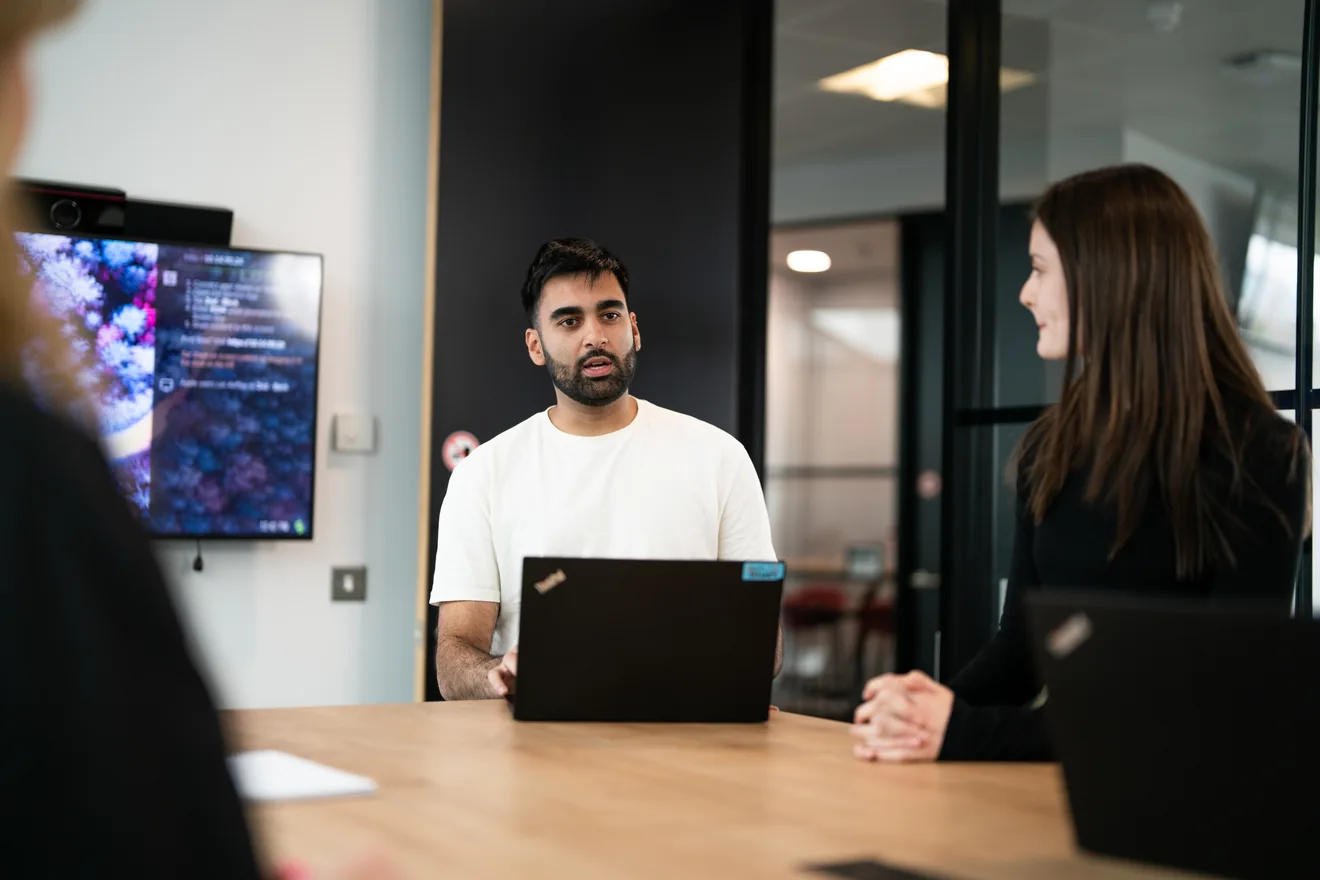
(809, 261)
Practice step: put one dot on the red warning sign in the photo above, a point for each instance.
(458, 446)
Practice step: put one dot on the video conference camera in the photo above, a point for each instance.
(101, 211)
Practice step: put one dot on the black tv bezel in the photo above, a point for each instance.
(316, 398)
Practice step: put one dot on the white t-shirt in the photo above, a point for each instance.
(668, 486)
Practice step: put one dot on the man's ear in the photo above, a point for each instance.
(637, 333)
(534, 351)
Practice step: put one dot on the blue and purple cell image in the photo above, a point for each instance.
(104, 294)
(203, 365)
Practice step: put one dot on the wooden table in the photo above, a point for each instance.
(467, 792)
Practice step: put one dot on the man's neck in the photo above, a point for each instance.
(574, 418)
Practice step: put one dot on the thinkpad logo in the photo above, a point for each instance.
(554, 580)
(1069, 635)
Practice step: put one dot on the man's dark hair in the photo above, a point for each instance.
(568, 256)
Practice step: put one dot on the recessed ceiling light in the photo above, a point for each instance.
(809, 261)
(912, 76)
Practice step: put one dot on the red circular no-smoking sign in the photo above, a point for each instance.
(458, 446)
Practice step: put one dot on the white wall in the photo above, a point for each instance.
(309, 119)
(787, 367)
(829, 403)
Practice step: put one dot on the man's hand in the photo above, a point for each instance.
(505, 674)
(903, 719)
(779, 650)
(463, 663)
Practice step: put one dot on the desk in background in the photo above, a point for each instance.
(467, 792)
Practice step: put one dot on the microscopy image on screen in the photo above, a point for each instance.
(104, 292)
(203, 362)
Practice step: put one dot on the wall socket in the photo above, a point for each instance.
(348, 584)
(353, 433)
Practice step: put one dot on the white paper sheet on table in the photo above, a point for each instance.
(269, 775)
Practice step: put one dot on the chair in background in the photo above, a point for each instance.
(813, 647)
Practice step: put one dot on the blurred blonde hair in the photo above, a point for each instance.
(22, 19)
(23, 328)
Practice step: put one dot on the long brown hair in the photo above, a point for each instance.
(1158, 382)
(24, 330)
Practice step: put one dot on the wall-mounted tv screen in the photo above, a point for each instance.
(203, 361)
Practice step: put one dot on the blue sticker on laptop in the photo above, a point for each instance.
(763, 571)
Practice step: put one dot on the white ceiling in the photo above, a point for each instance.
(1099, 65)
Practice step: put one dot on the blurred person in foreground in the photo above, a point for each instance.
(112, 757)
(1164, 468)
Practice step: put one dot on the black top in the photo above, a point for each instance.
(111, 752)
(993, 718)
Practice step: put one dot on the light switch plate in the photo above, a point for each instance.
(353, 433)
(348, 584)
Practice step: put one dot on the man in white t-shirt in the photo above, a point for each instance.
(599, 474)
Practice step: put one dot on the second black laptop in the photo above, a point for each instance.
(1189, 734)
(637, 641)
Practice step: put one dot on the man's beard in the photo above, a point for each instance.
(583, 389)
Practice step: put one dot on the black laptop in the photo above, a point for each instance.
(1189, 734)
(634, 640)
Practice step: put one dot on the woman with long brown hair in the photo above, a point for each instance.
(1164, 468)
